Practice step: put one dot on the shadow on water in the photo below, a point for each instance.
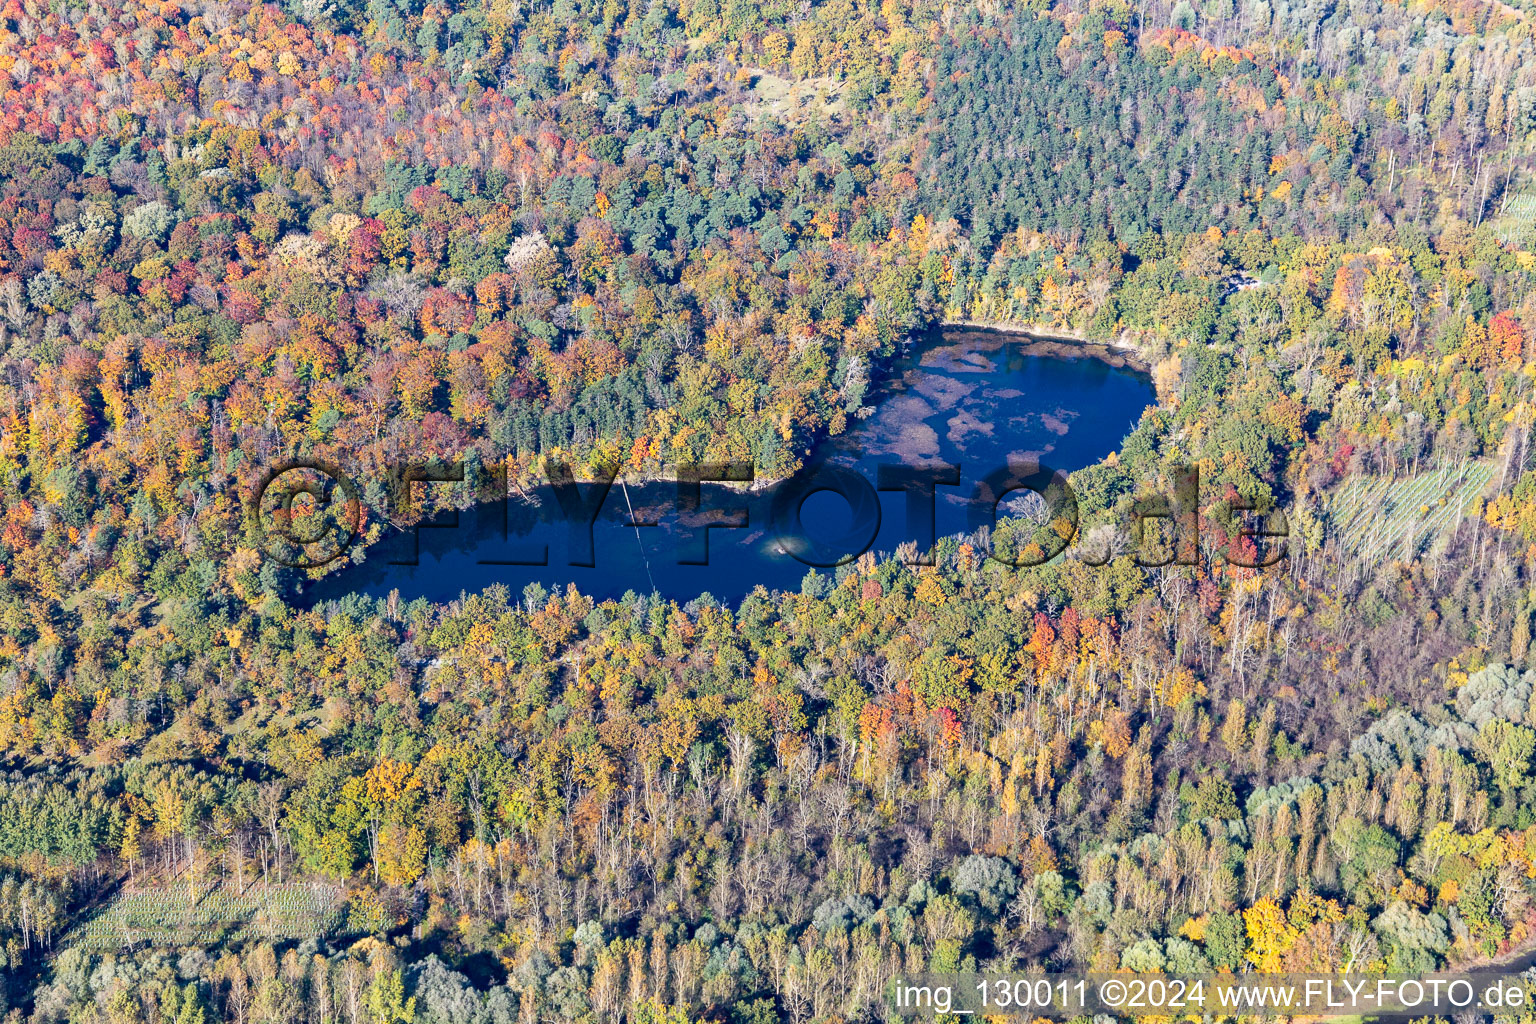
(978, 399)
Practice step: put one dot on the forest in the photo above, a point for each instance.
(686, 231)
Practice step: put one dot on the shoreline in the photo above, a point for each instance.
(1055, 341)
(891, 378)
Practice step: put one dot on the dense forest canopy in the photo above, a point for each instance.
(683, 231)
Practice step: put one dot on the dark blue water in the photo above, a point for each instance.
(979, 400)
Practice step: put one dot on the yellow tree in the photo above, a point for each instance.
(1270, 935)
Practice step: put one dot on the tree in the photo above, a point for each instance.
(1507, 748)
(1270, 935)
(1225, 940)
(1414, 937)
(992, 880)
(444, 996)
(387, 1003)
(151, 220)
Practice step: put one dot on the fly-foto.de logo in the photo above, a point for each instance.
(308, 513)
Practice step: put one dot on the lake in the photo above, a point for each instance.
(973, 398)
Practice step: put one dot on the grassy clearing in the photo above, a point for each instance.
(168, 917)
(1381, 517)
(792, 100)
